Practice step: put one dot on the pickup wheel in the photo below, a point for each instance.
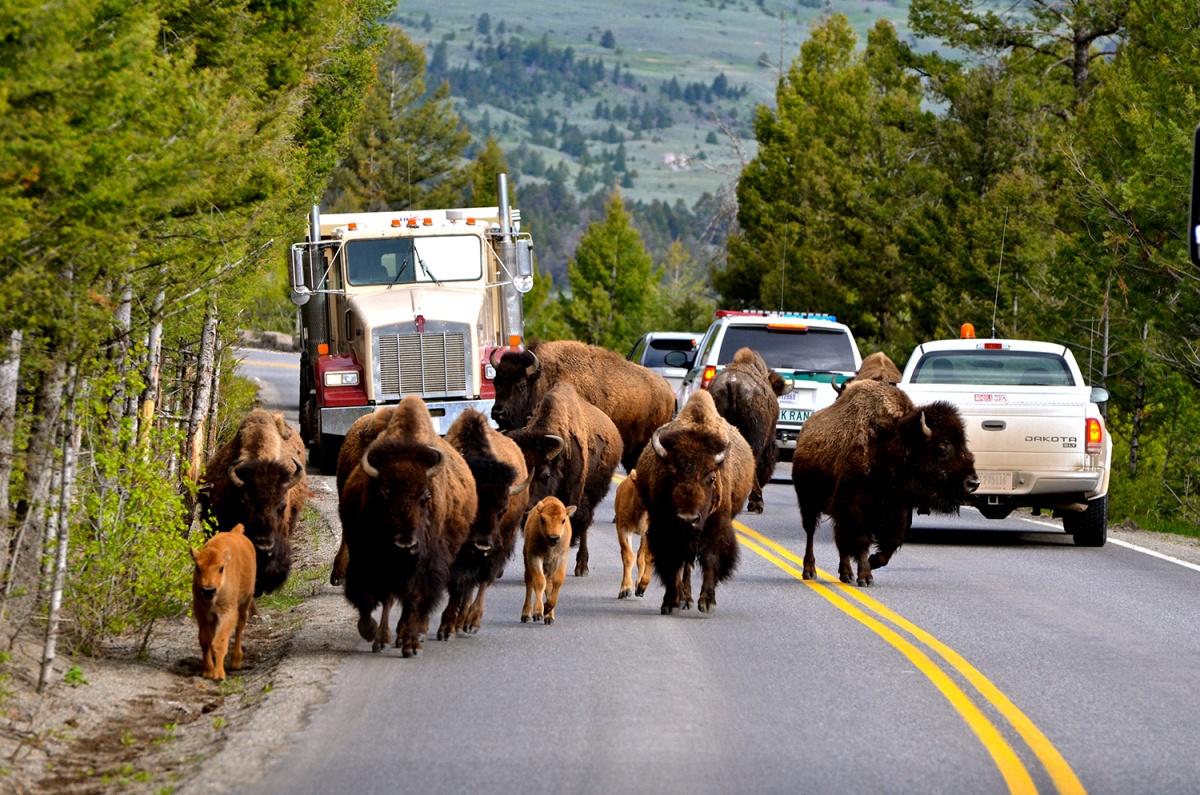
(1089, 528)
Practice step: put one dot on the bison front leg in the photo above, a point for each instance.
(383, 633)
(411, 627)
(470, 619)
(810, 560)
(684, 598)
(535, 586)
(340, 561)
(579, 527)
(718, 558)
(450, 615)
(670, 574)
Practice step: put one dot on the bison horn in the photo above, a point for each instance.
(840, 388)
(492, 357)
(559, 444)
(658, 448)
(517, 488)
(720, 457)
(371, 471)
(925, 427)
(536, 367)
(295, 478)
(439, 463)
(233, 476)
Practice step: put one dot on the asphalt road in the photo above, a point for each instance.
(989, 657)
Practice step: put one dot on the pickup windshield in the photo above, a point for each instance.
(785, 349)
(993, 368)
(404, 260)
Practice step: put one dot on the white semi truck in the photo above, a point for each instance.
(413, 302)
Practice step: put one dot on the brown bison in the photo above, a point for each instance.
(406, 508)
(746, 393)
(571, 449)
(868, 460)
(875, 367)
(257, 480)
(222, 597)
(632, 520)
(501, 486)
(635, 399)
(693, 479)
(547, 541)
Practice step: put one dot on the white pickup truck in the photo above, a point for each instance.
(1032, 423)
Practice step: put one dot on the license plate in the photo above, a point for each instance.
(996, 481)
(794, 415)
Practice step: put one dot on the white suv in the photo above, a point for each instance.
(811, 352)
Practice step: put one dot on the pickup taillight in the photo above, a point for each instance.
(707, 376)
(1094, 435)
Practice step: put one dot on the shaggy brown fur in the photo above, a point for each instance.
(876, 367)
(635, 399)
(694, 479)
(502, 488)
(547, 541)
(867, 460)
(257, 480)
(222, 596)
(406, 509)
(745, 395)
(572, 449)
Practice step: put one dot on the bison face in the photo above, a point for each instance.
(262, 489)
(555, 464)
(519, 385)
(495, 484)
(209, 574)
(692, 462)
(940, 470)
(401, 488)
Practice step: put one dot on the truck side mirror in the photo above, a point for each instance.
(1099, 395)
(1194, 212)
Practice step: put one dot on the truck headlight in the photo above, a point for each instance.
(342, 378)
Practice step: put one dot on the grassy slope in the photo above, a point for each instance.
(691, 40)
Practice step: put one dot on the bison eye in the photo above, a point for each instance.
(712, 477)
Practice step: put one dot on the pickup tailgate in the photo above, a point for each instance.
(1025, 439)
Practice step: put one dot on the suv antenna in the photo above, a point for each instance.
(996, 299)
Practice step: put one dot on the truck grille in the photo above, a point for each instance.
(430, 365)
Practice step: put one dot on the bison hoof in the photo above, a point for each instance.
(376, 647)
(640, 592)
(809, 574)
(846, 578)
(537, 617)
(445, 633)
(706, 605)
(864, 582)
(625, 593)
(581, 570)
(549, 620)
(411, 651)
(754, 506)
(524, 619)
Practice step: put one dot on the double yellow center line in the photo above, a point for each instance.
(1015, 774)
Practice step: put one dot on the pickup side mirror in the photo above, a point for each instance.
(1099, 395)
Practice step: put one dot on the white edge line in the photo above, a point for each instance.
(1127, 545)
(1154, 554)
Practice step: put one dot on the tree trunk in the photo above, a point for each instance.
(202, 395)
(210, 448)
(72, 440)
(1135, 431)
(119, 356)
(24, 566)
(152, 372)
(10, 370)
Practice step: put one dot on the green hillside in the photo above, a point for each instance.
(654, 97)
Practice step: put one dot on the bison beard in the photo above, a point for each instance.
(867, 461)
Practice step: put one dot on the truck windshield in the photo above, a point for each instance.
(819, 350)
(993, 368)
(406, 260)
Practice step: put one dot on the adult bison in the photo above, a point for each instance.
(572, 449)
(693, 479)
(501, 486)
(635, 399)
(746, 393)
(406, 507)
(868, 460)
(257, 480)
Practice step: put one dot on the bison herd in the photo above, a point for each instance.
(427, 518)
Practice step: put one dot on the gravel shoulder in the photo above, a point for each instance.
(153, 725)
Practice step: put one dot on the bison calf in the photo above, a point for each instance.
(632, 520)
(547, 542)
(222, 595)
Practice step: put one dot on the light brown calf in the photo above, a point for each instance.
(222, 595)
(632, 520)
(547, 548)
